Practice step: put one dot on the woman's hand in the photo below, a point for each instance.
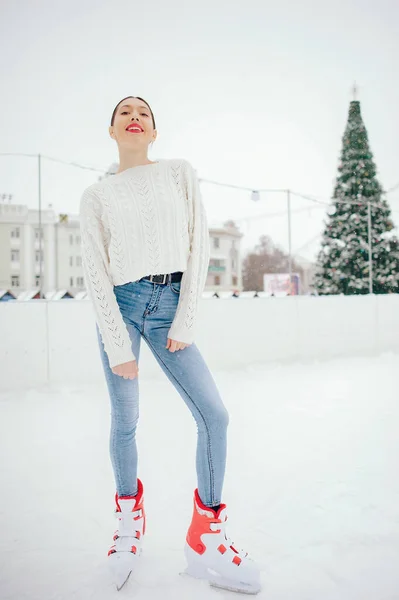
(172, 345)
(127, 370)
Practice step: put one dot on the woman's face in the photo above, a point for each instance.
(133, 124)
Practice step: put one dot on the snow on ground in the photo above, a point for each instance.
(311, 485)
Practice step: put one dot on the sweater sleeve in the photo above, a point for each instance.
(95, 263)
(193, 280)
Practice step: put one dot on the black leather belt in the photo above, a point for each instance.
(164, 279)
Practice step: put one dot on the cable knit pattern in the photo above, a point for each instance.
(146, 220)
(195, 276)
(177, 174)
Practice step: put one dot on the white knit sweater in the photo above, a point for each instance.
(146, 220)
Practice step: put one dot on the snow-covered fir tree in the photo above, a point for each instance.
(343, 261)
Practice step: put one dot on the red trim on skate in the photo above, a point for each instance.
(222, 549)
(201, 505)
(138, 496)
(200, 524)
(139, 504)
(237, 560)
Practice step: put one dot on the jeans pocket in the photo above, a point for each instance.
(175, 286)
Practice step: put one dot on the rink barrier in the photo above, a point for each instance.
(47, 342)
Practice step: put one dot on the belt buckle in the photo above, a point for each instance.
(163, 280)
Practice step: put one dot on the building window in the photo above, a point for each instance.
(70, 240)
(37, 256)
(37, 234)
(14, 280)
(78, 261)
(15, 232)
(78, 239)
(14, 255)
(217, 279)
(37, 280)
(216, 264)
(79, 281)
(71, 261)
(216, 242)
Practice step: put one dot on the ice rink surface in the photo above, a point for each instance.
(311, 485)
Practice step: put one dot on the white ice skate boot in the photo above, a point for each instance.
(124, 553)
(211, 554)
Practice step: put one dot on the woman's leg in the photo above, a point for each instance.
(188, 372)
(124, 399)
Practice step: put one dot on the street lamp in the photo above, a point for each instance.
(40, 225)
(40, 206)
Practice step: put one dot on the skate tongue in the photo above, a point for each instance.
(222, 514)
(127, 504)
(130, 502)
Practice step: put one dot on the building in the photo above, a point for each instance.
(69, 271)
(21, 250)
(225, 271)
(60, 252)
(20, 247)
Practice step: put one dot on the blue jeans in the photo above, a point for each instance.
(148, 310)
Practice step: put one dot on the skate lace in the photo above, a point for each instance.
(134, 514)
(221, 526)
(126, 520)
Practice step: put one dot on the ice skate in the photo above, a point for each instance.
(211, 555)
(124, 553)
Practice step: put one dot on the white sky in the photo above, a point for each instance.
(254, 94)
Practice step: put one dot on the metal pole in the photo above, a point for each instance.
(370, 249)
(289, 238)
(40, 228)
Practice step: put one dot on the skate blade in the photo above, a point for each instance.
(231, 586)
(119, 584)
(121, 568)
(216, 581)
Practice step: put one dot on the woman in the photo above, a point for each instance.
(145, 250)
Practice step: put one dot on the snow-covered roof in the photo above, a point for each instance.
(58, 295)
(5, 292)
(81, 295)
(27, 295)
(49, 295)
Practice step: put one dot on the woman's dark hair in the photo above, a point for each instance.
(138, 98)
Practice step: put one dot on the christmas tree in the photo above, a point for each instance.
(343, 262)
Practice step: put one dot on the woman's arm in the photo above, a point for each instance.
(193, 280)
(114, 333)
